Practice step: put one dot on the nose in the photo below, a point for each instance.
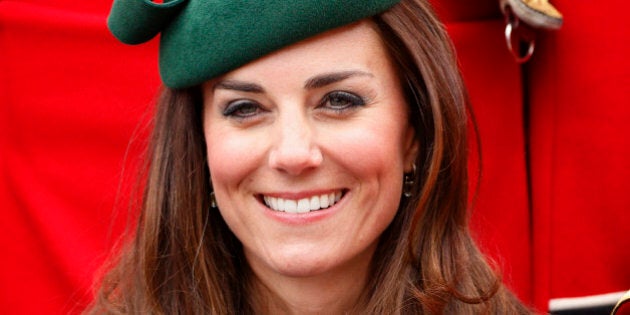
(294, 148)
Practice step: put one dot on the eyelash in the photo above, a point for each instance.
(244, 108)
(351, 101)
(236, 108)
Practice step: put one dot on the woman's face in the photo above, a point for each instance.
(307, 148)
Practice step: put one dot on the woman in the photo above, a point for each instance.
(322, 173)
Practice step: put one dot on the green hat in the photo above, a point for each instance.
(202, 39)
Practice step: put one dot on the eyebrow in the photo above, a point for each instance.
(315, 82)
(239, 86)
(322, 80)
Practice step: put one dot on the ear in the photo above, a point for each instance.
(411, 147)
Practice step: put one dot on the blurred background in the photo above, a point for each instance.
(551, 208)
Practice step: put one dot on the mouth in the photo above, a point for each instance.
(303, 205)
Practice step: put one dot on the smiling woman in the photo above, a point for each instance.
(334, 131)
(326, 174)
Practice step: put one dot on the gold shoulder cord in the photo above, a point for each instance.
(624, 299)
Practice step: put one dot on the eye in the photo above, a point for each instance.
(242, 109)
(341, 101)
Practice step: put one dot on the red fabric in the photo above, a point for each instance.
(501, 210)
(72, 97)
(579, 79)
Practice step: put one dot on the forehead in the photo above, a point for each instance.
(354, 47)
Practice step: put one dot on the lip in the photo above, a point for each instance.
(302, 218)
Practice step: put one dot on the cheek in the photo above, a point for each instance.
(373, 149)
(373, 156)
(231, 156)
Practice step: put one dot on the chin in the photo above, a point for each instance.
(303, 264)
(302, 271)
(312, 262)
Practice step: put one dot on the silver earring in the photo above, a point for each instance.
(408, 182)
(213, 201)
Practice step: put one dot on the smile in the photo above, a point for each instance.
(303, 205)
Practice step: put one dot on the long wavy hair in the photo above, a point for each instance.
(183, 259)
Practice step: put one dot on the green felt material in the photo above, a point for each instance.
(201, 39)
(137, 21)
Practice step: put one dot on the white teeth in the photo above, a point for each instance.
(304, 205)
(314, 204)
(290, 206)
(274, 202)
(323, 201)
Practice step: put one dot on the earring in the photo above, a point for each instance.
(213, 201)
(408, 182)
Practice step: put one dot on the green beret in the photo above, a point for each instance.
(201, 39)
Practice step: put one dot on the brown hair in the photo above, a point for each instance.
(185, 260)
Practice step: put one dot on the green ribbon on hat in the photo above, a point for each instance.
(137, 21)
(201, 39)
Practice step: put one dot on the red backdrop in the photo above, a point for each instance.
(553, 217)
